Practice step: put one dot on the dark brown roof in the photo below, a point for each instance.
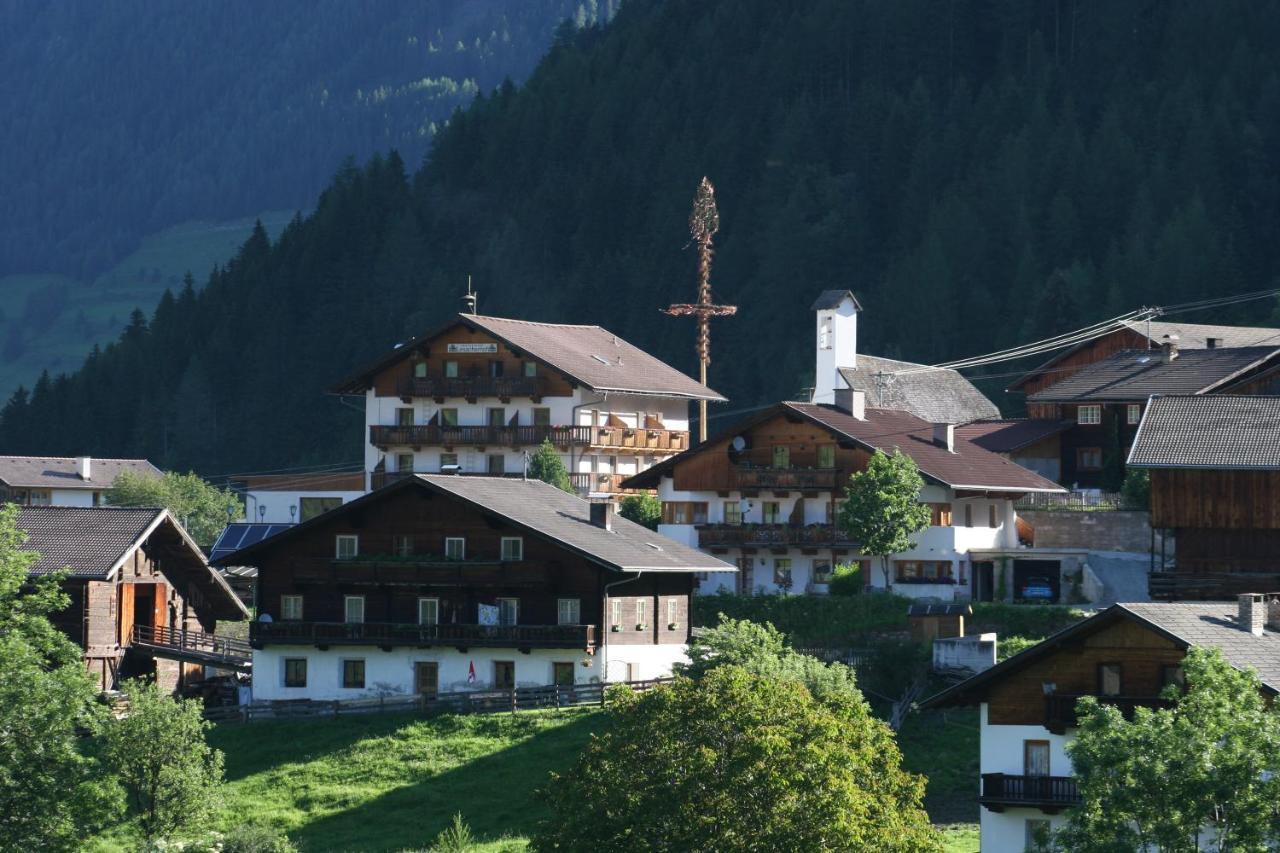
(540, 509)
(1008, 435)
(1134, 375)
(1209, 432)
(589, 355)
(829, 299)
(59, 472)
(969, 467)
(1202, 624)
(93, 542)
(934, 394)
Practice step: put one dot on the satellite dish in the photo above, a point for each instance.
(739, 443)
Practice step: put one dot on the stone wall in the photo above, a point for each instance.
(1100, 530)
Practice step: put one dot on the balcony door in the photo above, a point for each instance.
(1035, 757)
(504, 674)
(746, 583)
(426, 678)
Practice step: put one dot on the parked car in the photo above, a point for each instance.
(1038, 589)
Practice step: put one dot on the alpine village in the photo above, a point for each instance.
(640, 425)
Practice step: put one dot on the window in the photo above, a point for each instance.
(496, 369)
(295, 672)
(346, 546)
(1035, 757)
(782, 572)
(1172, 674)
(428, 611)
(504, 674)
(615, 613)
(642, 613)
(353, 674)
(732, 512)
(291, 608)
(451, 369)
(923, 571)
(39, 497)
(512, 548)
(781, 456)
(448, 417)
(530, 368)
(684, 512)
(420, 370)
(824, 333)
(353, 609)
(991, 516)
(940, 515)
(542, 416)
(404, 417)
(568, 611)
(1089, 414)
(1109, 680)
(826, 456)
(495, 464)
(402, 545)
(508, 611)
(404, 462)
(449, 461)
(968, 515)
(1036, 835)
(455, 548)
(1089, 458)
(309, 508)
(822, 571)
(771, 512)
(562, 674)
(673, 614)
(497, 417)
(1133, 413)
(426, 678)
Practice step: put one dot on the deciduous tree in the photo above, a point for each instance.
(882, 507)
(201, 508)
(642, 509)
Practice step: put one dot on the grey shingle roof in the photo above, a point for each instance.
(590, 355)
(58, 472)
(1208, 432)
(541, 509)
(90, 541)
(1006, 436)
(1196, 335)
(829, 299)
(937, 396)
(1134, 375)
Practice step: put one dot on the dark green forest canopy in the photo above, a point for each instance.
(980, 172)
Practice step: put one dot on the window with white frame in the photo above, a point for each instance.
(346, 546)
(508, 611)
(615, 613)
(673, 614)
(428, 611)
(512, 548)
(448, 460)
(733, 512)
(291, 608)
(353, 608)
(642, 611)
(455, 548)
(1133, 413)
(1091, 414)
(568, 611)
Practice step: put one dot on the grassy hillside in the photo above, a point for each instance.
(50, 322)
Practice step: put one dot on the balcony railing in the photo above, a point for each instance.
(392, 634)
(471, 387)
(742, 477)
(642, 440)
(603, 484)
(735, 535)
(480, 436)
(1050, 794)
(1060, 708)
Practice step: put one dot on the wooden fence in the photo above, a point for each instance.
(466, 702)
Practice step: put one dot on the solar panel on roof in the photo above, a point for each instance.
(241, 534)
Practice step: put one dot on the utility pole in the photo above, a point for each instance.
(704, 222)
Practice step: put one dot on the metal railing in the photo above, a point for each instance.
(388, 633)
(1074, 501)
(1045, 792)
(192, 643)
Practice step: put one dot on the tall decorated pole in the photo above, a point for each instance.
(704, 222)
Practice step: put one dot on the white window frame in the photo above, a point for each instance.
(462, 547)
(1089, 414)
(642, 612)
(518, 552)
(428, 607)
(1133, 413)
(347, 601)
(514, 604)
(342, 538)
(289, 613)
(672, 607)
(615, 613)
(568, 611)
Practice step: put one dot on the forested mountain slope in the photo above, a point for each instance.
(979, 171)
(126, 117)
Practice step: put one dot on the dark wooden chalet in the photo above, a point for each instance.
(143, 599)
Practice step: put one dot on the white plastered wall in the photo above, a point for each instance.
(1001, 751)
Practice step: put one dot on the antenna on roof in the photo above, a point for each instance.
(469, 301)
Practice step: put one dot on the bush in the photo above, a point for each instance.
(1023, 620)
(1136, 490)
(455, 838)
(808, 620)
(642, 509)
(847, 580)
(246, 838)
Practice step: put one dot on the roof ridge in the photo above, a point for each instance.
(536, 322)
(94, 458)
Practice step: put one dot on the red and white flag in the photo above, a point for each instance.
(471, 672)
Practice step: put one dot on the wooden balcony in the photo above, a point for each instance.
(1060, 708)
(815, 479)
(386, 634)
(611, 484)
(384, 437)
(424, 571)
(1050, 794)
(616, 439)
(737, 535)
(471, 387)
(192, 646)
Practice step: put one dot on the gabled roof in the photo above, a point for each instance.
(63, 472)
(969, 467)
(1011, 434)
(830, 299)
(1134, 375)
(1220, 432)
(936, 395)
(1201, 624)
(589, 355)
(1190, 336)
(540, 510)
(93, 542)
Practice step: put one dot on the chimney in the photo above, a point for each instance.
(1169, 347)
(852, 401)
(84, 465)
(944, 435)
(602, 515)
(1212, 343)
(1252, 614)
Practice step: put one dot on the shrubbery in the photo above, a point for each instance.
(847, 580)
(809, 620)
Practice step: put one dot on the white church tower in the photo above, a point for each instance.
(837, 342)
